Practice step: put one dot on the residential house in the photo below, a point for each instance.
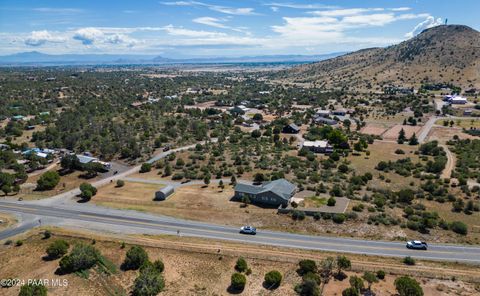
(273, 193)
(322, 113)
(324, 120)
(455, 99)
(340, 112)
(239, 109)
(291, 128)
(18, 118)
(318, 146)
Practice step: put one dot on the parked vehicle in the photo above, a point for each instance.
(248, 230)
(166, 148)
(417, 245)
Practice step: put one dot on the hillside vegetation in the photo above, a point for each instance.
(443, 54)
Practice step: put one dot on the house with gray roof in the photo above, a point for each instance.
(273, 193)
(291, 128)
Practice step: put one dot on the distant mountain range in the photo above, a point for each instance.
(442, 54)
(35, 58)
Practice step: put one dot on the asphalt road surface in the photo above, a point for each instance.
(105, 219)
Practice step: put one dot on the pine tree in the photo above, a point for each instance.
(401, 137)
(413, 140)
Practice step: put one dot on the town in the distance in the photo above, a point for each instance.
(355, 173)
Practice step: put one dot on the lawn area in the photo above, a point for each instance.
(315, 201)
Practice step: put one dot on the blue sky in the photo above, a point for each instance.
(220, 28)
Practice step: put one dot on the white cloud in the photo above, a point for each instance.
(88, 35)
(400, 9)
(210, 21)
(217, 8)
(58, 10)
(38, 38)
(299, 6)
(429, 22)
(333, 26)
(274, 8)
(344, 12)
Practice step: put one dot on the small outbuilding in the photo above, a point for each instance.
(164, 193)
(291, 129)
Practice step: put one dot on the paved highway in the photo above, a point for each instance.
(98, 218)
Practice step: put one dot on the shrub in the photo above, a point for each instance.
(273, 279)
(331, 202)
(19, 243)
(48, 180)
(238, 281)
(298, 215)
(47, 234)
(350, 292)
(381, 274)
(308, 288)
(57, 249)
(312, 276)
(156, 265)
(241, 265)
(33, 289)
(82, 257)
(87, 190)
(146, 167)
(459, 227)
(339, 218)
(307, 265)
(399, 151)
(135, 258)
(148, 283)
(409, 260)
(406, 286)
(120, 183)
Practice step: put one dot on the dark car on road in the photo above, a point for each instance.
(417, 245)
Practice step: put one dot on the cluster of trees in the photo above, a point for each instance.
(150, 280)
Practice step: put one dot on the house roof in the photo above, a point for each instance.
(280, 187)
(294, 126)
(318, 143)
(325, 120)
(85, 159)
(166, 190)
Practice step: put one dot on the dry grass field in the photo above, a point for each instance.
(197, 267)
(443, 134)
(462, 123)
(385, 151)
(131, 194)
(6, 220)
(67, 182)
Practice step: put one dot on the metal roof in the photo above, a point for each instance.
(280, 187)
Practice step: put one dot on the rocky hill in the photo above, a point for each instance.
(442, 54)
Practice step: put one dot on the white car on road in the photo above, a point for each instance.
(248, 230)
(417, 245)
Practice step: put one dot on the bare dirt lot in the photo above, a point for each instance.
(373, 129)
(392, 133)
(196, 267)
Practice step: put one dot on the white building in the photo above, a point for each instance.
(455, 99)
(318, 146)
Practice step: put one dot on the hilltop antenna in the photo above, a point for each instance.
(446, 21)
